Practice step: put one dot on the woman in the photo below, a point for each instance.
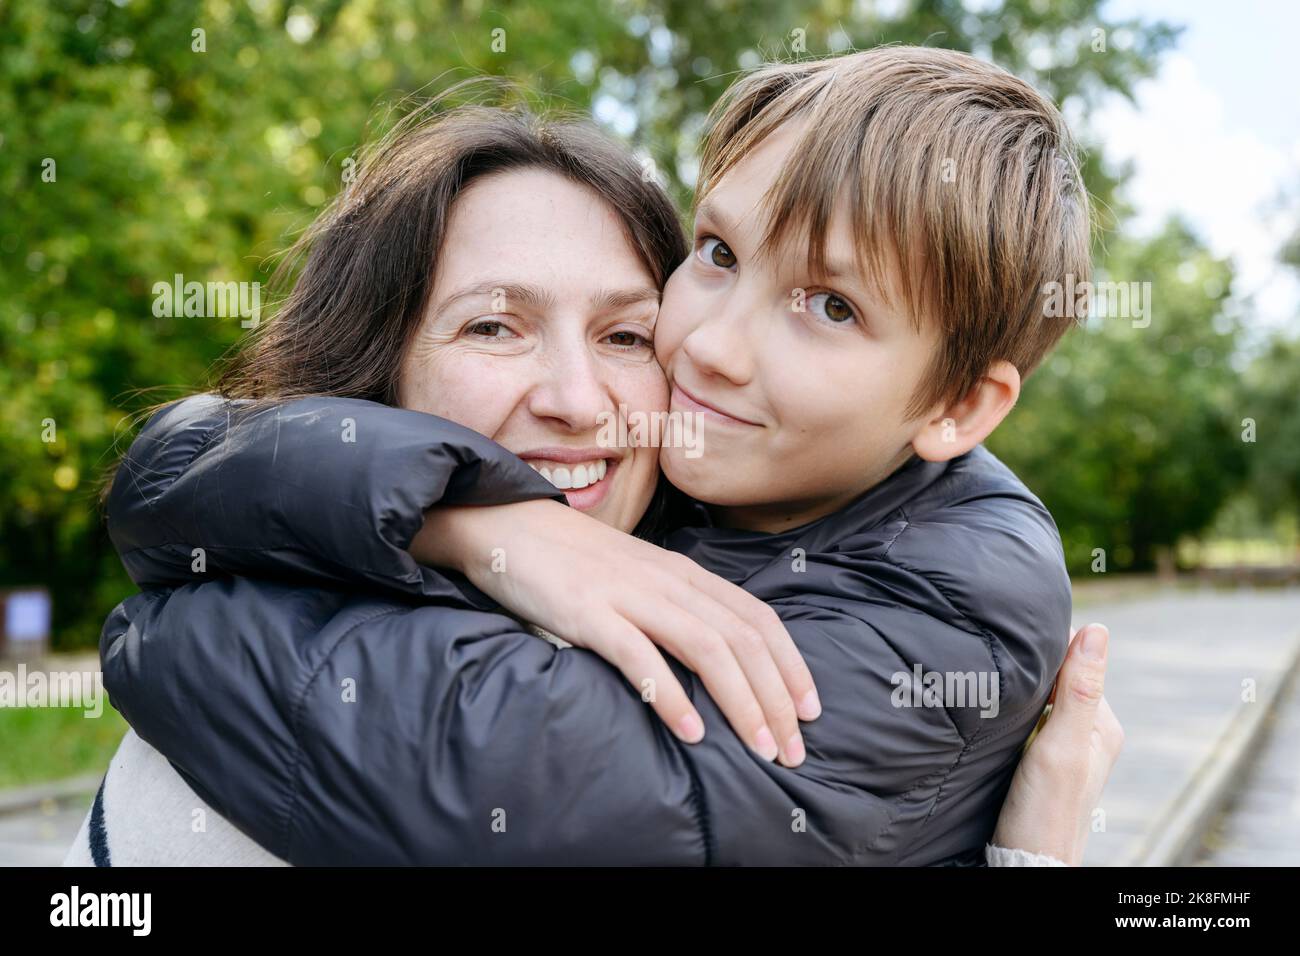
(569, 199)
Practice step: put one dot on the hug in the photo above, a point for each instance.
(401, 605)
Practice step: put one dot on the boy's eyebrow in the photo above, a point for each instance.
(711, 212)
(838, 269)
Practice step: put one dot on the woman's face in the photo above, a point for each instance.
(540, 325)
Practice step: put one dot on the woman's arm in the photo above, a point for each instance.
(1047, 814)
(625, 599)
(327, 489)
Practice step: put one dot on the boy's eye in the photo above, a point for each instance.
(715, 252)
(830, 306)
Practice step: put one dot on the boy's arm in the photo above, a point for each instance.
(328, 488)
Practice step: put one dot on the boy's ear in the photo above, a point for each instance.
(955, 429)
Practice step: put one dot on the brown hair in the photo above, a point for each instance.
(962, 174)
(371, 256)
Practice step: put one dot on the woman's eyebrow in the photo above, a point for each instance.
(536, 296)
(522, 292)
(608, 300)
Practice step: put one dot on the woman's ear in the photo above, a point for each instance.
(957, 428)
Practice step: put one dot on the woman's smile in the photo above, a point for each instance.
(585, 475)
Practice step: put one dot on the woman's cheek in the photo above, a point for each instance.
(642, 388)
(476, 391)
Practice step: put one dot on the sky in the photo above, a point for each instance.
(1215, 136)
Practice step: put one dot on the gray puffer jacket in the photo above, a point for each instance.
(341, 704)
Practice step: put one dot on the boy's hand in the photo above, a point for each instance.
(1059, 781)
(619, 596)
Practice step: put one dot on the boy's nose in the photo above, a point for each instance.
(722, 343)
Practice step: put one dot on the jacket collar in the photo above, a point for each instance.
(869, 509)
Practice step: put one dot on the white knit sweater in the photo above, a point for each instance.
(145, 814)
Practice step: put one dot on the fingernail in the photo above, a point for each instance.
(765, 744)
(794, 752)
(1094, 642)
(810, 708)
(691, 729)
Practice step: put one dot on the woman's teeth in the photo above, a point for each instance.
(573, 476)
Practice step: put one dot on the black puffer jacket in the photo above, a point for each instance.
(341, 704)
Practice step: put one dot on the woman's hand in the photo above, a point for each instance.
(619, 596)
(1049, 807)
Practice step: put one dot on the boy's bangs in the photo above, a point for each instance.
(846, 162)
(829, 175)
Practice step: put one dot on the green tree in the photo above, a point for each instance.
(1131, 431)
(1273, 401)
(139, 141)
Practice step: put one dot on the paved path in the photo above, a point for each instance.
(1261, 826)
(1174, 678)
(40, 835)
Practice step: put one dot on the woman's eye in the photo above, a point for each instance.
(490, 329)
(830, 306)
(628, 339)
(715, 252)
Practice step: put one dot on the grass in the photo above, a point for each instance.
(40, 744)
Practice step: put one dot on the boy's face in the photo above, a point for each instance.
(803, 410)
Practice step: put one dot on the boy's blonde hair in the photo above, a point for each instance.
(960, 173)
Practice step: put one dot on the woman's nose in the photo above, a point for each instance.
(572, 388)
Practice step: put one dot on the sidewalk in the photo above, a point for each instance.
(1261, 825)
(1178, 659)
(37, 824)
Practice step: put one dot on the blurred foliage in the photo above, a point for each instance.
(1131, 429)
(128, 155)
(1272, 400)
(54, 743)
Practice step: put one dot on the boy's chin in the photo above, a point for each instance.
(712, 482)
